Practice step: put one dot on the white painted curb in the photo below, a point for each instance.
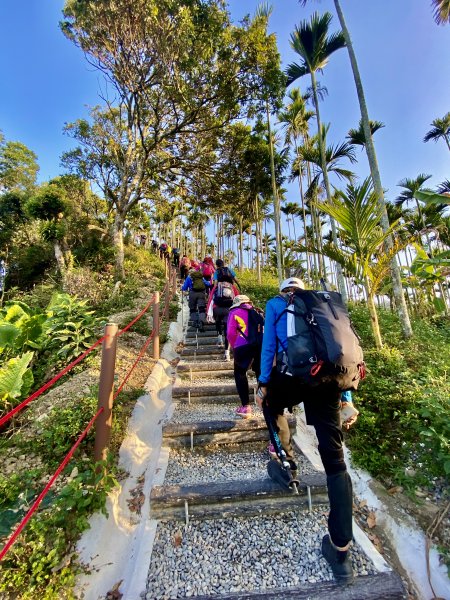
(118, 548)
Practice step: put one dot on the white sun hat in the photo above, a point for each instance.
(293, 282)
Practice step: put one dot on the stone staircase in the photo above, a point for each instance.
(226, 530)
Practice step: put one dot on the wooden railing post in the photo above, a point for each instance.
(156, 326)
(167, 299)
(105, 392)
(174, 282)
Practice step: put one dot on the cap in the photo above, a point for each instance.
(240, 299)
(294, 282)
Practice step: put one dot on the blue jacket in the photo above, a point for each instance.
(275, 339)
(188, 284)
(275, 336)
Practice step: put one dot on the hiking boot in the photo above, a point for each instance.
(244, 411)
(220, 340)
(201, 326)
(338, 560)
(227, 355)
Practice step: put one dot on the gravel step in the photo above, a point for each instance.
(208, 411)
(229, 431)
(266, 556)
(222, 463)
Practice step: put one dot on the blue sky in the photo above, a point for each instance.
(403, 57)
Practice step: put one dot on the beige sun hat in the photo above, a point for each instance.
(240, 299)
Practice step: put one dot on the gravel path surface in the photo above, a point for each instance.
(232, 462)
(235, 555)
(185, 413)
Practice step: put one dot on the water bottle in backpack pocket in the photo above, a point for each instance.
(223, 294)
(322, 345)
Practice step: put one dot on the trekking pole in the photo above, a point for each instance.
(280, 452)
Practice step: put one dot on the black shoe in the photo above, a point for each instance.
(201, 327)
(339, 562)
(292, 465)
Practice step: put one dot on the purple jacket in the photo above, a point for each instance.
(237, 322)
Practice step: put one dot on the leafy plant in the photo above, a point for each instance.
(70, 327)
(16, 380)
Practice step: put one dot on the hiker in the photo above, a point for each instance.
(162, 250)
(207, 268)
(223, 273)
(176, 257)
(185, 265)
(277, 391)
(196, 286)
(155, 246)
(245, 328)
(220, 300)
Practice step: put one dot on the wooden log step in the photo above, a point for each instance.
(198, 373)
(178, 435)
(202, 350)
(207, 399)
(204, 341)
(222, 365)
(181, 391)
(380, 586)
(191, 335)
(234, 498)
(207, 328)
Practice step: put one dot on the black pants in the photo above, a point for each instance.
(184, 270)
(322, 406)
(220, 314)
(197, 306)
(244, 357)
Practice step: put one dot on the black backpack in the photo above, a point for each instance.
(198, 285)
(255, 331)
(322, 345)
(224, 274)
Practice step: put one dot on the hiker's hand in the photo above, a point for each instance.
(261, 393)
(351, 419)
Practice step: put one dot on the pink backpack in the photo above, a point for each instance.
(207, 270)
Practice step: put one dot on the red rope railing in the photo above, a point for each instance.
(143, 311)
(44, 492)
(45, 387)
(141, 353)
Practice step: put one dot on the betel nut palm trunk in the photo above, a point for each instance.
(402, 309)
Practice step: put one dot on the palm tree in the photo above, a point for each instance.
(295, 120)
(357, 137)
(310, 153)
(441, 12)
(311, 42)
(373, 163)
(411, 186)
(358, 214)
(441, 129)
